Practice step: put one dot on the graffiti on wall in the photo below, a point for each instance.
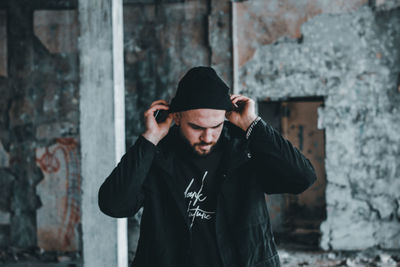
(59, 216)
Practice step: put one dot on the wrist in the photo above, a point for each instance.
(151, 137)
(248, 121)
(252, 125)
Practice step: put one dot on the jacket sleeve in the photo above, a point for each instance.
(121, 194)
(281, 167)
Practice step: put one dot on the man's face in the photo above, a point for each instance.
(201, 128)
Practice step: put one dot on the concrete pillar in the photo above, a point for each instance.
(102, 128)
(220, 39)
(235, 53)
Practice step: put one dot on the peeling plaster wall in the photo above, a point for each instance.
(39, 116)
(353, 61)
(59, 216)
(263, 22)
(158, 50)
(162, 41)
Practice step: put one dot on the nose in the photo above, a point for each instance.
(206, 136)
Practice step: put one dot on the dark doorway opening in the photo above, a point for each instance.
(296, 219)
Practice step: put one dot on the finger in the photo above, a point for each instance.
(240, 99)
(159, 106)
(236, 96)
(158, 102)
(233, 97)
(154, 108)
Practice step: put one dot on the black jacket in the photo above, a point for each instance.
(266, 163)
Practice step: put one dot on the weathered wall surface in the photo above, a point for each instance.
(59, 216)
(58, 156)
(352, 59)
(263, 22)
(39, 155)
(3, 44)
(350, 56)
(161, 43)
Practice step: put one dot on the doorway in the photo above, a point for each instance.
(296, 219)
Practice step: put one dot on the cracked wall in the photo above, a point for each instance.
(352, 59)
(158, 50)
(39, 156)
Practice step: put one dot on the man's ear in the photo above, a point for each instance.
(177, 118)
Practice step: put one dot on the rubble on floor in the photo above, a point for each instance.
(366, 258)
(36, 257)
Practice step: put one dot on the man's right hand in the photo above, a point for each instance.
(156, 131)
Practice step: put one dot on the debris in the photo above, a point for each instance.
(63, 258)
(331, 256)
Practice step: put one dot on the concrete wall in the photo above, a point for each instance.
(158, 51)
(102, 122)
(3, 43)
(39, 134)
(349, 53)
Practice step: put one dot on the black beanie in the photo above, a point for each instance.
(201, 88)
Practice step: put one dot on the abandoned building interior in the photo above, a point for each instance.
(77, 75)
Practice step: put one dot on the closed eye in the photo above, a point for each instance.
(197, 127)
(219, 125)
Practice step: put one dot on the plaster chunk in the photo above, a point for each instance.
(387, 4)
(388, 235)
(355, 236)
(384, 205)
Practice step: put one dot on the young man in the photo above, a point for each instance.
(201, 183)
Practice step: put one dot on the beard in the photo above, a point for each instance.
(196, 147)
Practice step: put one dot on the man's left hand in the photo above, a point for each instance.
(244, 112)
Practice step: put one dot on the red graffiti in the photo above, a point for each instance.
(48, 162)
